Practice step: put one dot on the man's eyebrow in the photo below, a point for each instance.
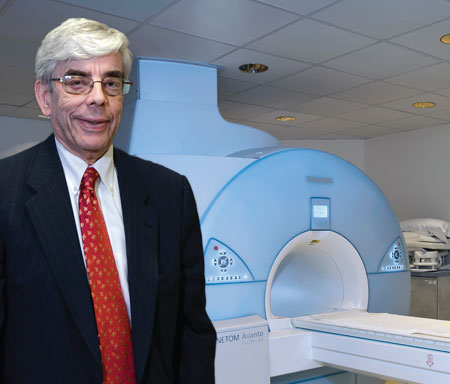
(75, 72)
(115, 74)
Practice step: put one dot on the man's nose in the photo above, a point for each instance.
(97, 94)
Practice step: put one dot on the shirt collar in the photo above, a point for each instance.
(74, 168)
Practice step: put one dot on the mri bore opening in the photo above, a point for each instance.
(316, 272)
(307, 282)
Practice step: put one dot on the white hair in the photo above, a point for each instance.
(79, 39)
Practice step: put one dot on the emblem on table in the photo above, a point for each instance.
(430, 361)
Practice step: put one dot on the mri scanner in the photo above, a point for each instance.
(305, 265)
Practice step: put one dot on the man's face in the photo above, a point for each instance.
(84, 124)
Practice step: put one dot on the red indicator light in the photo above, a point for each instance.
(216, 247)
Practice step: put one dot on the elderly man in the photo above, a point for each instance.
(101, 264)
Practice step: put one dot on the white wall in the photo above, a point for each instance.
(350, 150)
(411, 168)
(18, 134)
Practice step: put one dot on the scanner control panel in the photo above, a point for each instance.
(394, 260)
(223, 265)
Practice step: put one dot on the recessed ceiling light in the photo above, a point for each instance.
(253, 68)
(424, 104)
(285, 118)
(445, 39)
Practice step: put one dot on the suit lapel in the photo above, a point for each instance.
(141, 229)
(52, 216)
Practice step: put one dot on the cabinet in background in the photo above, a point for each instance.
(430, 295)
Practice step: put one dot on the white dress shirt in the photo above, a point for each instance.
(107, 190)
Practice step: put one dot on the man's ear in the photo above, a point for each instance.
(43, 96)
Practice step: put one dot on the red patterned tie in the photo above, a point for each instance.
(113, 325)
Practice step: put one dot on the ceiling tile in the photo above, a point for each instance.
(374, 115)
(427, 40)
(263, 126)
(444, 92)
(310, 41)
(320, 81)
(281, 132)
(6, 109)
(32, 105)
(337, 136)
(21, 52)
(157, 42)
(268, 96)
(239, 111)
(271, 116)
(298, 133)
(376, 93)
(370, 131)
(278, 66)
(331, 124)
(17, 79)
(346, 90)
(16, 98)
(325, 106)
(427, 79)
(232, 21)
(131, 9)
(25, 24)
(442, 102)
(381, 60)
(413, 122)
(227, 87)
(302, 7)
(25, 113)
(383, 19)
(443, 114)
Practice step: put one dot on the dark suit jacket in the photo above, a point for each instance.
(47, 323)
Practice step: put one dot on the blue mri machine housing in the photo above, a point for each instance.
(313, 227)
(287, 232)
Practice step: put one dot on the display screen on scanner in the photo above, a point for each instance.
(320, 211)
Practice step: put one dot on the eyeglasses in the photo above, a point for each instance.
(82, 85)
